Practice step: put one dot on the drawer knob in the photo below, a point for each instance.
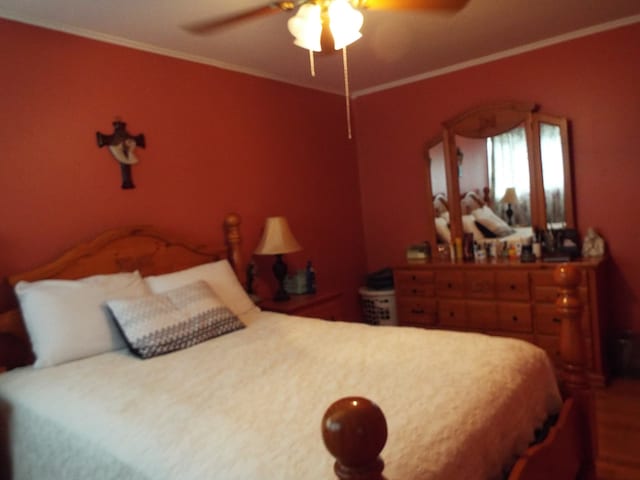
(413, 277)
(452, 314)
(449, 285)
(414, 291)
(514, 318)
(512, 287)
(417, 311)
(556, 320)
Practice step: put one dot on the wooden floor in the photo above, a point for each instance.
(618, 423)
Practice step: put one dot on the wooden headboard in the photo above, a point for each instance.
(471, 200)
(123, 249)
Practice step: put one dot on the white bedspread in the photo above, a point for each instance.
(248, 405)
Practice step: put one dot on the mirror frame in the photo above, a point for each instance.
(487, 121)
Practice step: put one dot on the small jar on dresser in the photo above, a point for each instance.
(505, 298)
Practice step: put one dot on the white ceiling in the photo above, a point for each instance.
(397, 47)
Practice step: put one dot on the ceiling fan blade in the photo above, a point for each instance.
(207, 26)
(451, 5)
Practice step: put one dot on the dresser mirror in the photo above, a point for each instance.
(503, 170)
(437, 188)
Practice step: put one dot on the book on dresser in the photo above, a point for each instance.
(502, 298)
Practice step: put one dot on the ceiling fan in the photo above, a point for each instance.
(326, 25)
(316, 17)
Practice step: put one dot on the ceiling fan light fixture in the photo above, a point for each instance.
(306, 27)
(345, 23)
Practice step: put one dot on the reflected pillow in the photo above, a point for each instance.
(485, 231)
(492, 222)
(68, 320)
(442, 230)
(469, 226)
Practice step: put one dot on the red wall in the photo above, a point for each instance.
(217, 141)
(594, 81)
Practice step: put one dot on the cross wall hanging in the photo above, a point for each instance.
(122, 145)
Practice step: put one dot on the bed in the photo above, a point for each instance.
(248, 403)
(480, 221)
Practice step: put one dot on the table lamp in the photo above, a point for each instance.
(277, 240)
(510, 198)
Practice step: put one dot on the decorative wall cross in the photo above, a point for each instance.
(122, 145)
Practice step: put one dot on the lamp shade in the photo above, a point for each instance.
(277, 238)
(509, 196)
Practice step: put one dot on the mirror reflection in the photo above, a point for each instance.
(440, 200)
(495, 186)
(553, 180)
(507, 170)
(509, 181)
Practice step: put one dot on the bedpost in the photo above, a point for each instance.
(354, 431)
(574, 380)
(232, 238)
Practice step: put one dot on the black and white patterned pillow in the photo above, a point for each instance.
(173, 320)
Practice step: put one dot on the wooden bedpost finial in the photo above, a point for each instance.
(232, 236)
(354, 430)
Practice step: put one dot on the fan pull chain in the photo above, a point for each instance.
(312, 63)
(346, 89)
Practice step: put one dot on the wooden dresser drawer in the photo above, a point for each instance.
(506, 298)
(514, 317)
(520, 336)
(416, 312)
(450, 284)
(545, 278)
(414, 283)
(547, 321)
(512, 285)
(482, 315)
(414, 276)
(544, 294)
(452, 314)
(415, 290)
(480, 285)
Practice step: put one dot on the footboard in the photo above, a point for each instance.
(355, 432)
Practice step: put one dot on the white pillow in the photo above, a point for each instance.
(179, 318)
(492, 222)
(68, 320)
(469, 226)
(442, 229)
(218, 275)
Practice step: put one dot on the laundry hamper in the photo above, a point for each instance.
(378, 306)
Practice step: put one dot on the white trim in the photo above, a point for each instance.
(4, 13)
(145, 47)
(500, 55)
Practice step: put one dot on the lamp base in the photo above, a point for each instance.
(280, 272)
(509, 215)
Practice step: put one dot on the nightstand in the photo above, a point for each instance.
(325, 305)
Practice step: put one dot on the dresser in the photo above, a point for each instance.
(506, 298)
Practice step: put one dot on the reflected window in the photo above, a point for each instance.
(553, 173)
(508, 168)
